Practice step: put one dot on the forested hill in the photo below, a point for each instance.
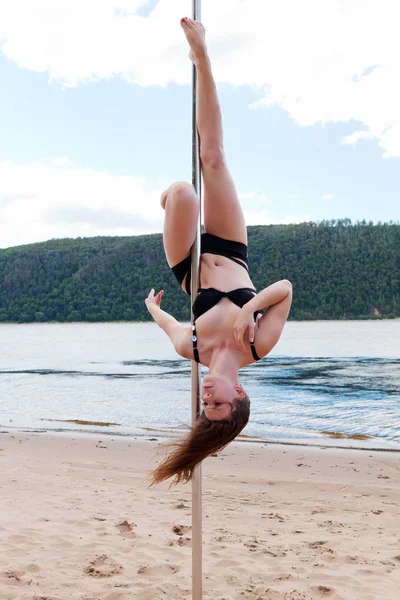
(338, 270)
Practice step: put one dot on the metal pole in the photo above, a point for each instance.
(196, 371)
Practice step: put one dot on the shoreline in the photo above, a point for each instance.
(341, 320)
(167, 435)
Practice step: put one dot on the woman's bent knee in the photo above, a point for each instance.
(180, 193)
(181, 188)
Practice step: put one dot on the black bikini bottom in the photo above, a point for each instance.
(212, 244)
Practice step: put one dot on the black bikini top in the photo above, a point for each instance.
(209, 297)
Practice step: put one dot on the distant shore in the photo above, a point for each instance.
(151, 321)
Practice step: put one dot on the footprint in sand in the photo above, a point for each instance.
(275, 553)
(295, 595)
(322, 591)
(283, 577)
(14, 577)
(181, 531)
(102, 566)
(142, 569)
(181, 505)
(276, 516)
(159, 572)
(223, 535)
(332, 526)
(126, 529)
(316, 545)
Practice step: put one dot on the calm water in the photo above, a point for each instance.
(322, 376)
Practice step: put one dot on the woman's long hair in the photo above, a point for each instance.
(205, 437)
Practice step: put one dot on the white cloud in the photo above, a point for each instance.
(353, 138)
(322, 62)
(327, 196)
(83, 40)
(52, 199)
(60, 161)
(263, 217)
(255, 213)
(254, 198)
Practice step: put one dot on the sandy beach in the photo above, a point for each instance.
(78, 521)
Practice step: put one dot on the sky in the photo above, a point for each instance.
(95, 111)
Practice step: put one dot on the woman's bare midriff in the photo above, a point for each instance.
(215, 327)
(221, 273)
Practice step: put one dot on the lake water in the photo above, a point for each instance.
(332, 376)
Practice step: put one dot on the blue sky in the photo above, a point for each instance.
(87, 142)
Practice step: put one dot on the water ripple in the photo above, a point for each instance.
(292, 397)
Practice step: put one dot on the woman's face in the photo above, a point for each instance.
(217, 395)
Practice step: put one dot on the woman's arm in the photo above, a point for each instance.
(271, 295)
(277, 299)
(174, 330)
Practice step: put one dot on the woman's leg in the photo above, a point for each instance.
(181, 206)
(223, 214)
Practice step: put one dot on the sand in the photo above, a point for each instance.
(280, 522)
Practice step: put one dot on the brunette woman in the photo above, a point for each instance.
(233, 325)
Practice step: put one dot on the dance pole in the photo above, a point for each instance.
(196, 371)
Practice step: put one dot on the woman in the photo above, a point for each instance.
(229, 330)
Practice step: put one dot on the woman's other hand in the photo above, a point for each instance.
(152, 299)
(244, 328)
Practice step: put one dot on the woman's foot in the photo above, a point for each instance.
(196, 36)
